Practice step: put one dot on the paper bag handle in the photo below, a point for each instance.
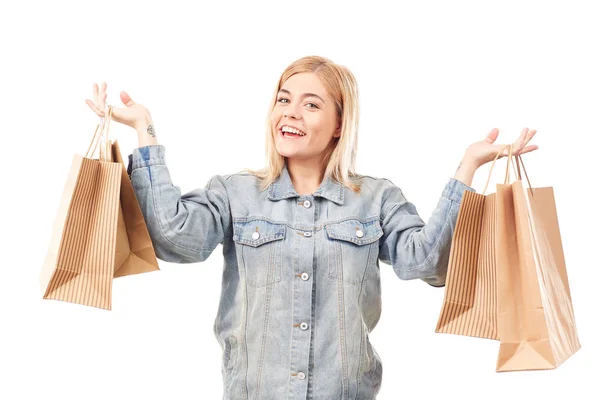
(107, 156)
(520, 162)
(510, 160)
(494, 162)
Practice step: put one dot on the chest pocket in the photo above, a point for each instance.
(353, 248)
(260, 248)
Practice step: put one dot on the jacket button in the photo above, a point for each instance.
(307, 203)
(255, 235)
(359, 233)
(304, 326)
(307, 234)
(301, 375)
(304, 276)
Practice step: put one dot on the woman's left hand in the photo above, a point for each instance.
(480, 153)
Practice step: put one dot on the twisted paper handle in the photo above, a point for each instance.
(105, 123)
(510, 159)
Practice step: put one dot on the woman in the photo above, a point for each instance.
(301, 238)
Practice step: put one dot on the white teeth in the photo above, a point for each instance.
(292, 130)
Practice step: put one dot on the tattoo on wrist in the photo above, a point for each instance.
(151, 131)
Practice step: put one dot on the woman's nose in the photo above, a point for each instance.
(290, 113)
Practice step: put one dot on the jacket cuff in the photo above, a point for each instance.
(454, 190)
(147, 156)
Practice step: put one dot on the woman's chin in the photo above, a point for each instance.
(287, 150)
(286, 153)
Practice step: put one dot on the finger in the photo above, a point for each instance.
(492, 136)
(102, 96)
(95, 93)
(523, 136)
(102, 99)
(93, 106)
(530, 135)
(520, 142)
(528, 149)
(99, 110)
(126, 99)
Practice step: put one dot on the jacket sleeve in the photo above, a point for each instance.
(415, 249)
(183, 228)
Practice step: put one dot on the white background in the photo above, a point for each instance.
(433, 78)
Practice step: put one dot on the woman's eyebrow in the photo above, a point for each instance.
(304, 94)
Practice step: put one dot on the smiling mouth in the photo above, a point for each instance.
(289, 135)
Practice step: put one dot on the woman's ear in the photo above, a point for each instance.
(337, 132)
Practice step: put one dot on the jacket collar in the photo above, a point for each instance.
(282, 188)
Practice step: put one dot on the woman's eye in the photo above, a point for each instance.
(283, 98)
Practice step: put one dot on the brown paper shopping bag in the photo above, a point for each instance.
(99, 232)
(507, 277)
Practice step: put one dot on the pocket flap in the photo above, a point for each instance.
(256, 232)
(355, 231)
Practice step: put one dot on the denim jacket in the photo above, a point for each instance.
(301, 283)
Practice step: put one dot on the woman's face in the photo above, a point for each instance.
(303, 103)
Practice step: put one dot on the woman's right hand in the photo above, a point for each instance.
(133, 115)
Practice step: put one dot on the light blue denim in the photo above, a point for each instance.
(301, 283)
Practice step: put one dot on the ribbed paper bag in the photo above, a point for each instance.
(99, 232)
(507, 277)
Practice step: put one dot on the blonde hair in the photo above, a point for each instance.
(341, 154)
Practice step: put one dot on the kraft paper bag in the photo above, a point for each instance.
(99, 232)
(507, 277)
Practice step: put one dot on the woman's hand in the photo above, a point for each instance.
(480, 153)
(134, 115)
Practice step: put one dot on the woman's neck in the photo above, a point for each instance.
(306, 176)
